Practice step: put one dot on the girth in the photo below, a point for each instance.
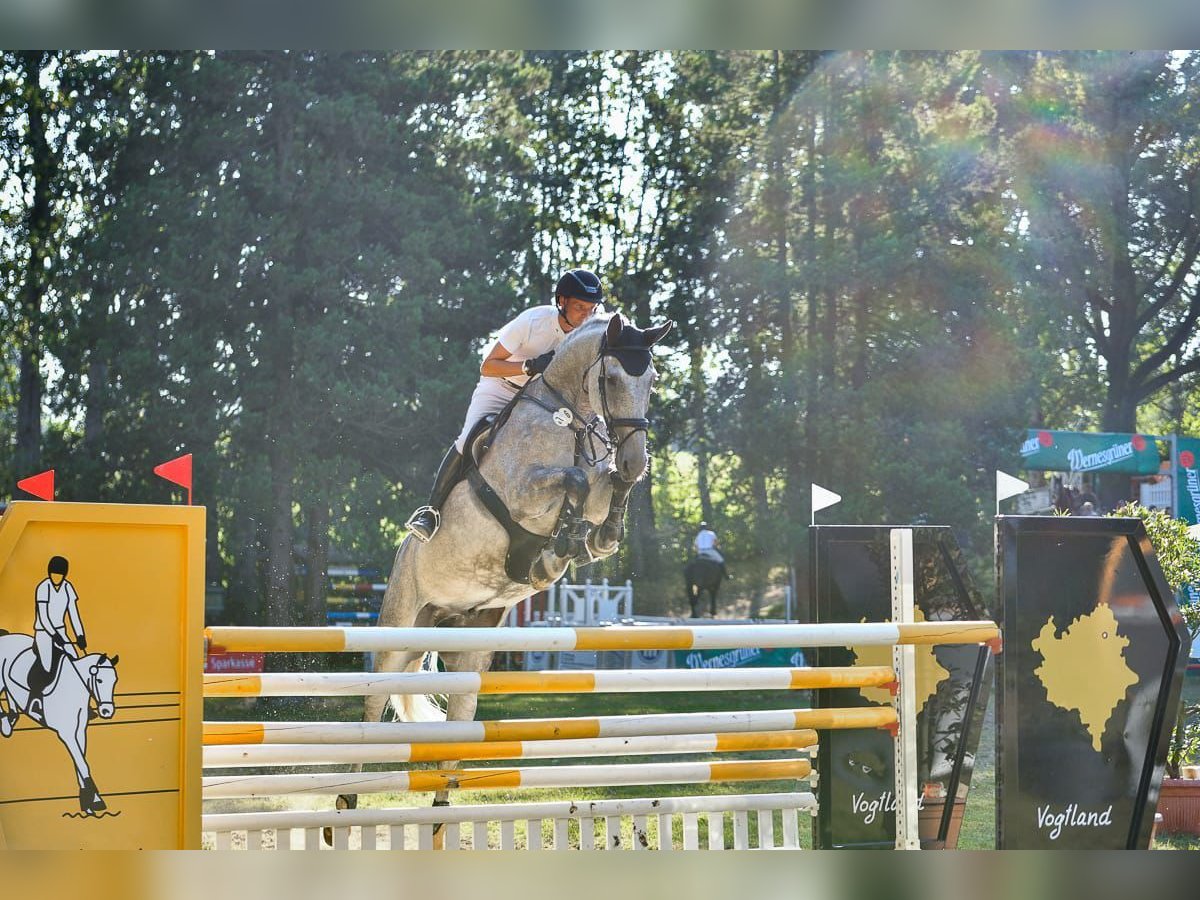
(523, 545)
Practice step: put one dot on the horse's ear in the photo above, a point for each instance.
(656, 333)
(116, 659)
(615, 326)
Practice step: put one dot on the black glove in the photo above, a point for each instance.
(538, 364)
(82, 643)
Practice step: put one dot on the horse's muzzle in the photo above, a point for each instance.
(106, 710)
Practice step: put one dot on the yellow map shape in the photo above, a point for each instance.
(1084, 670)
(929, 672)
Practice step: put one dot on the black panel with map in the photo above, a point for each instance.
(1090, 679)
(850, 580)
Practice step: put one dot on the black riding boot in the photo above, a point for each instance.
(39, 679)
(424, 523)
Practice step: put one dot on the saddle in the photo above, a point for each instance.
(36, 674)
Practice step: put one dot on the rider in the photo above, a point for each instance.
(55, 601)
(523, 348)
(705, 545)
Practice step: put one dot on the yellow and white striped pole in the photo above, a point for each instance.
(230, 786)
(332, 684)
(246, 755)
(224, 733)
(335, 639)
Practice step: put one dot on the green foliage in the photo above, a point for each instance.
(882, 267)
(1178, 555)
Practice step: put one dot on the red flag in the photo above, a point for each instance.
(177, 471)
(41, 486)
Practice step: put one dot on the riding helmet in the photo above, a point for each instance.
(581, 284)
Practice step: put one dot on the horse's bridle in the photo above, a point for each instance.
(93, 683)
(587, 431)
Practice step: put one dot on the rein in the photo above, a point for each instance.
(588, 431)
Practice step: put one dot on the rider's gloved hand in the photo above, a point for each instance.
(538, 364)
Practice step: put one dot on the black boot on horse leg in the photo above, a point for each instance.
(571, 534)
(424, 523)
(604, 540)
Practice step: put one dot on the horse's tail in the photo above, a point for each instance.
(419, 707)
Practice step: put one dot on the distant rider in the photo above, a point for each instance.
(523, 348)
(705, 544)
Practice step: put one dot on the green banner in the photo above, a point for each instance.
(1077, 451)
(1187, 479)
(739, 658)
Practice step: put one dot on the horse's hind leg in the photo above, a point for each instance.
(461, 707)
(399, 609)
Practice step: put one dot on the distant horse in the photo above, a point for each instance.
(699, 575)
(66, 705)
(551, 489)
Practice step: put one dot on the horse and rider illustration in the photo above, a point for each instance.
(54, 681)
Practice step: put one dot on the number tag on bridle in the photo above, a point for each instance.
(563, 417)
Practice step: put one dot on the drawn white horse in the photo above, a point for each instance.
(66, 705)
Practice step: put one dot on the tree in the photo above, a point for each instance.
(1106, 167)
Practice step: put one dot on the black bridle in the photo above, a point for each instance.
(588, 431)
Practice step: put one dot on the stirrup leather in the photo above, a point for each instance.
(437, 522)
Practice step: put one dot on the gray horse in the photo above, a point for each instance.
(562, 467)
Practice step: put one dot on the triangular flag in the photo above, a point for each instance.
(41, 485)
(1008, 486)
(177, 471)
(822, 498)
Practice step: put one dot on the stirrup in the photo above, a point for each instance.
(35, 713)
(417, 513)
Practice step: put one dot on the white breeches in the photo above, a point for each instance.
(491, 395)
(44, 644)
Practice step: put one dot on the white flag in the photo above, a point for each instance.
(822, 498)
(1008, 486)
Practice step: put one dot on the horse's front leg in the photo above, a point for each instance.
(569, 540)
(74, 738)
(604, 540)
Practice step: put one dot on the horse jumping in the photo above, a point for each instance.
(554, 483)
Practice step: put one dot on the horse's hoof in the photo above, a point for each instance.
(343, 801)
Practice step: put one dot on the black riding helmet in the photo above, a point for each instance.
(580, 284)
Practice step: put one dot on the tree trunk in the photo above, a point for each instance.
(243, 602)
(28, 456)
(699, 402)
(280, 565)
(318, 562)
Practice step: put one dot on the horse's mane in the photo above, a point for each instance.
(588, 330)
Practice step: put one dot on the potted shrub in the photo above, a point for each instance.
(1179, 557)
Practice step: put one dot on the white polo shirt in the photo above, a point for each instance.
(536, 331)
